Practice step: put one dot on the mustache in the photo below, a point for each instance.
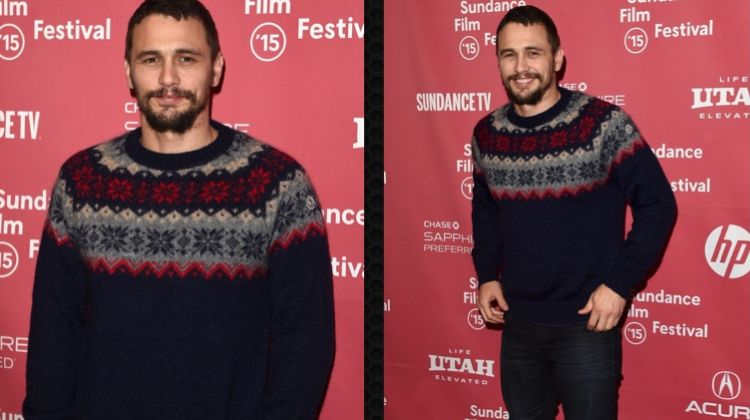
(525, 76)
(173, 91)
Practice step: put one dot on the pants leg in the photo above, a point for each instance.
(526, 373)
(587, 369)
(543, 364)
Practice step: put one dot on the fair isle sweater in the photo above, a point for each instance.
(183, 286)
(548, 210)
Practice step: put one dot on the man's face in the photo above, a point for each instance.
(171, 71)
(527, 65)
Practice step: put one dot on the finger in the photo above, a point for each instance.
(607, 321)
(501, 301)
(593, 321)
(587, 308)
(487, 315)
(602, 324)
(496, 315)
(497, 312)
(612, 322)
(482, 311)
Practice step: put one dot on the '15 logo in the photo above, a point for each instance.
(8, 259)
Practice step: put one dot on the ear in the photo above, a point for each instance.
(559, 57)
(218, 69)
(128, 75)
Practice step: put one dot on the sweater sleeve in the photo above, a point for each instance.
(485, 220)
(637, 173)
(302, 331)
(57, 318)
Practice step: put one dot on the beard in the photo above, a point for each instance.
(170, 119)
(530, 98)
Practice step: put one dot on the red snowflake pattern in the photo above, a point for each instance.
(166, 193)
(119, 189)
(214, 192)
(258, 180)
(83, 177)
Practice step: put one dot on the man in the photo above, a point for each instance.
(184, 270)
(554, 170)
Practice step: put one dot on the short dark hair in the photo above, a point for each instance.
(529, 15)
(178, 9)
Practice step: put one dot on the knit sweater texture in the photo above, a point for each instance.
(181, 286)
(549, 205)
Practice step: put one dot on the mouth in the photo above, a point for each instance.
(169, 97)
(523, 81)
(168, 100)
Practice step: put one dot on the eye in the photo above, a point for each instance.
(149, 60)
(186, 59)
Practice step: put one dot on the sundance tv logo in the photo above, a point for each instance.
(726, 385)
(728, 251)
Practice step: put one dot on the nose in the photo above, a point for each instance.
(521, 64)
(169, 76)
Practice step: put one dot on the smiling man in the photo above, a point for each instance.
(184, 270)
(553, 173)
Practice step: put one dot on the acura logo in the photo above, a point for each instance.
(726, 385)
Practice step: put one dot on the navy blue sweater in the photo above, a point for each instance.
(183, 286)
(548, 211)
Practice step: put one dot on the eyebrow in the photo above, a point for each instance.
(189, 51)
(529, 48)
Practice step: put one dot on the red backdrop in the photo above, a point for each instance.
(293, 79)
(681, 69)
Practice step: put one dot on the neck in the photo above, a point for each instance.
(550, 98)
(198, 136)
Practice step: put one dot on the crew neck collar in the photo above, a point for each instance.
(177, 161)
(543, 117)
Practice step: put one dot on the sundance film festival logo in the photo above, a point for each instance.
(467, 187)
(268, 42)
(726, 385)
(728, 251)
(468, 48)
(635, 333)
(8, 259)
(477, 412)
(268, 7)
(475, 320)
(12, 42)
(473, 317)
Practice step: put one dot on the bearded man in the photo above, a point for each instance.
(553, 173)
(184, 270)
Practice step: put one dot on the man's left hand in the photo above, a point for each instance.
(605, 307)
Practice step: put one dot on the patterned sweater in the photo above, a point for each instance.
(548, 210)
(181, 286)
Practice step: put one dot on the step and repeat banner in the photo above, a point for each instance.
(293, 78)
(681, 69)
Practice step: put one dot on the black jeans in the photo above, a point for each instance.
(541, 365)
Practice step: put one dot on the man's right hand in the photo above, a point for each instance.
(491, 302)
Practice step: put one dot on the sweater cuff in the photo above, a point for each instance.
(623, 280)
